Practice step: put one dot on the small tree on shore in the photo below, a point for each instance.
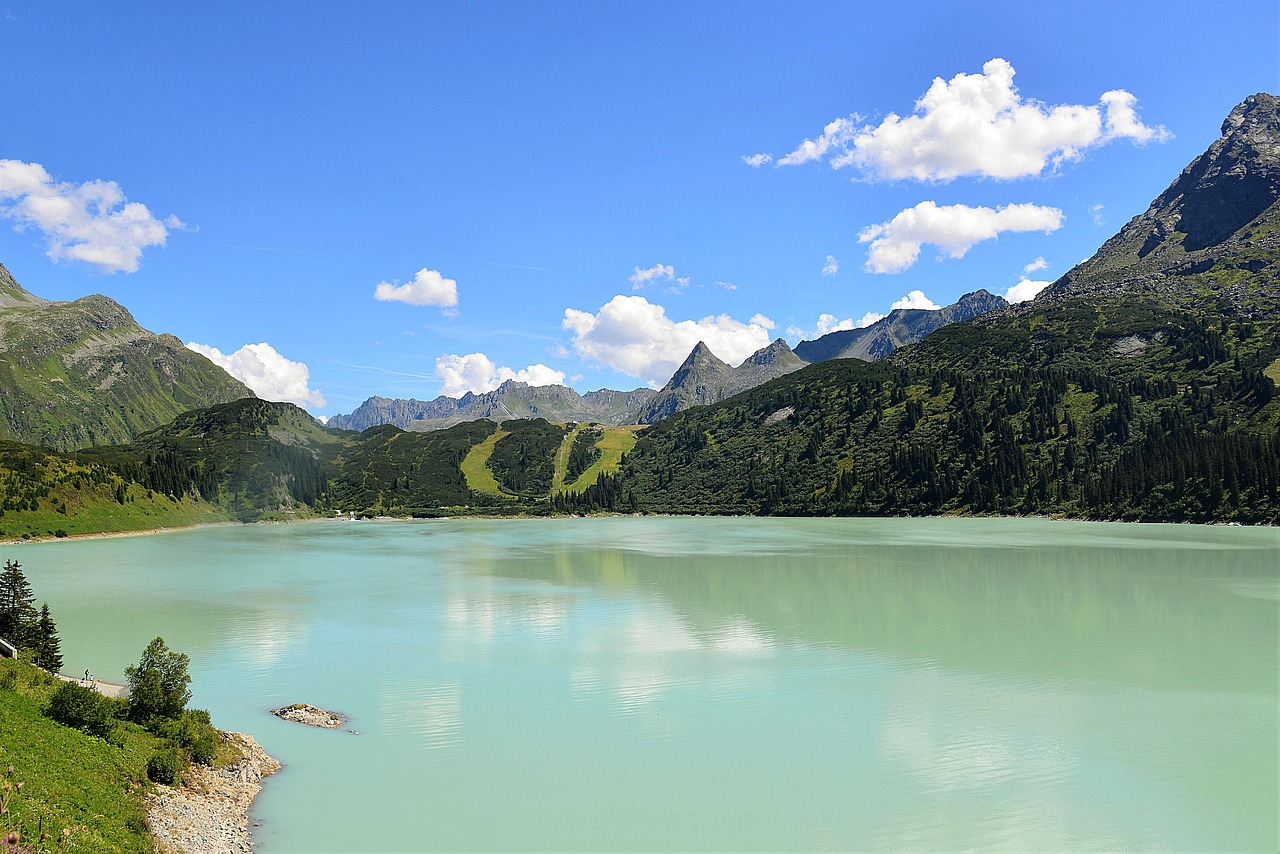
(17, 604)
(158, 684)
(44, 640)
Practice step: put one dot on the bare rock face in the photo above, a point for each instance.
(1219, 216)
(304, 713)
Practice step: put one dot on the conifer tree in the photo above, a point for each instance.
(17, 604)
(47, 644)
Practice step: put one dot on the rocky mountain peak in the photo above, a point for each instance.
(12, 293)
(777, 353)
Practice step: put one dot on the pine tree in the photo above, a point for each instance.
(17, 604)
(47, 644)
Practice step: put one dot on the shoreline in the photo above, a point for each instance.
(209, 812)
(147, 532)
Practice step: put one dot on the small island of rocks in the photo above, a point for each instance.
(304, 713)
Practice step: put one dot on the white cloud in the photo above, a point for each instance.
(427, 288)
(757, 160)
(762, 321)
(91, 222)
(269, 374)
(954, 229)
(976, 124)
(1097, 212)
(1122, 120)
(728, 286)
(476, 372)
(828, 323)
(831, 267)
(658, 272)
(635, 337)
(836, 134)
(916, 299)
(1026, 289)
(1038, 264)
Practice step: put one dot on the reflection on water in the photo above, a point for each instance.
(677, 684)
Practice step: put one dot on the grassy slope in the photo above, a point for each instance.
(71, 779)
(475, 466)
(562, 458)
(1273, 371)
(615, 442)
(42, 493)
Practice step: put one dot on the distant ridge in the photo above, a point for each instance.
(703, 378)
(901, 327)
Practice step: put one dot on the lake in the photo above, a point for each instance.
(711, 683)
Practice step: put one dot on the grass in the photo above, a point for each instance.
(615, 442)
(1273, 370)
(70, 779)
(562, 458)
(476, 469)
(88, 512)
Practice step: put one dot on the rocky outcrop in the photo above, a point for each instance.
(209, 812)
(304, 713)
(901, 327)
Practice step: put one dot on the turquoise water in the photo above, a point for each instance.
(727, 684)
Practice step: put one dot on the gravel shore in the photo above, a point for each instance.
(209, 812)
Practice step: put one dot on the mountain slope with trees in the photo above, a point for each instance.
(82, 373)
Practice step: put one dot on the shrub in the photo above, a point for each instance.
(193, 732)
(164, 766)
(80, 708)
(158, 685)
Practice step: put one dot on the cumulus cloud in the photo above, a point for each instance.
(762, 321)
(831, 267)
(1038, 264)
(916, 299)
(757, 160)
(477, 373)
(836, 134)
(270, 375)
(979, 125)
(954, 229)
(427, 288)
(1026, 289)
(635, 337)
(830, 323)
(658, 272)
(1098, 214)
(91, 222)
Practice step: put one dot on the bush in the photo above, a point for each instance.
(158, 685)
(80, 708)
(164, 767)
(193, 732)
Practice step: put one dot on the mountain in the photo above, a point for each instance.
(702, 378)
(1141, 385)
(511, 400)
(901, 327)
(74, 374)
(1215, 226)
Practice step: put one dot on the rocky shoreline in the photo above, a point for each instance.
(209, 812)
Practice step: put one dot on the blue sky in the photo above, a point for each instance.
(565, 191)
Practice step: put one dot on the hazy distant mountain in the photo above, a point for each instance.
(703, 378)
(901, 327)
(508, 401)
(74, 374)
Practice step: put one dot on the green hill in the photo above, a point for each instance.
(82, 373)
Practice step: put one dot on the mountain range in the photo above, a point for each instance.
(701, 379)
(1141, 385)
